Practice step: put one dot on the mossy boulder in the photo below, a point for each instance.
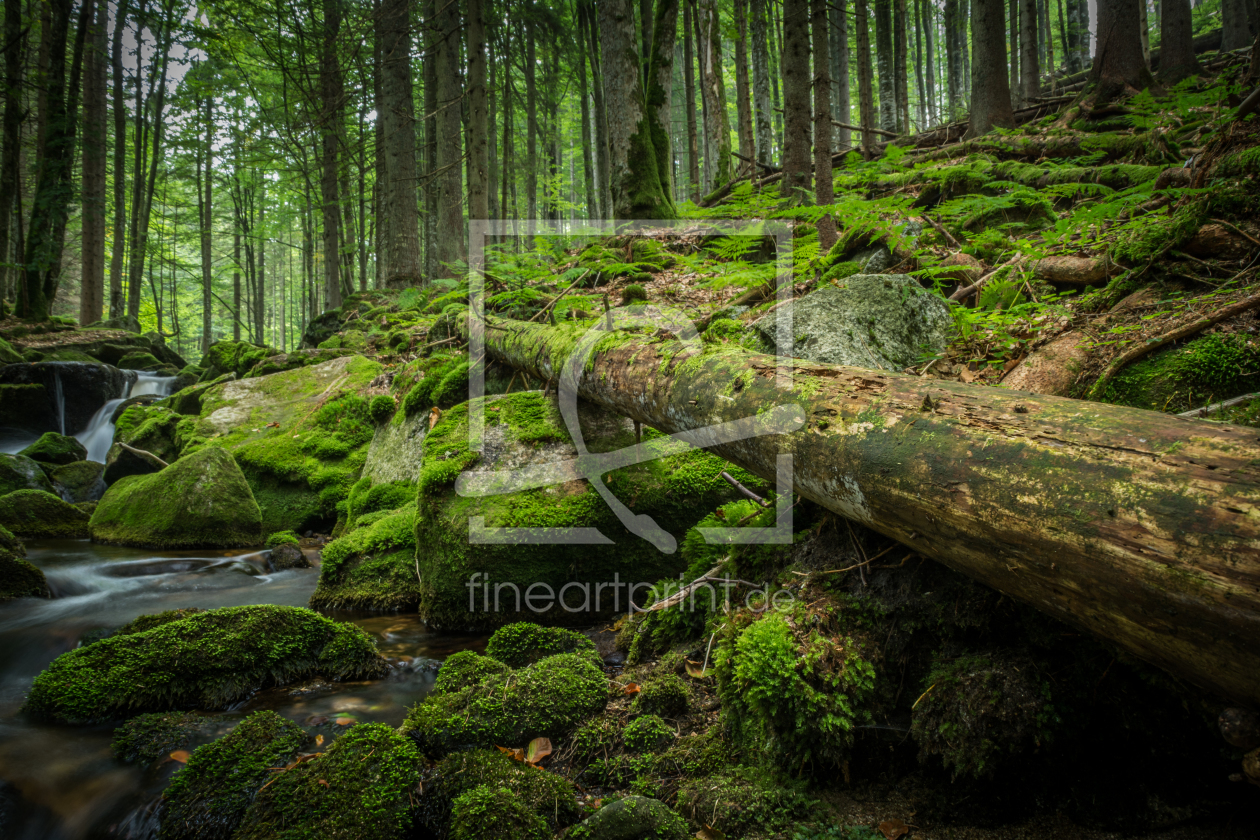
(397, 449)
(647, 734)
(524, 643)
(84, 388)
(236, 357)
(490, 813)
(372, 567)
(746, 801)
(508, 708)
(549, 796)
(38, 515)
(18, 472)
(289, 361)
(201, 501)
(632, 818)
(149, 737)
(187, 400)
(152, 429)
(8, 354)
(140, 361)
(362, 787)
(208, 799)
(207, 660)
(280, 538)
(81, 481)
(52, 448)
(525, 429)
(18, 578)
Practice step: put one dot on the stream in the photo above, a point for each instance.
(61, 782)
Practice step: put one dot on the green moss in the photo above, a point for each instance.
(362, 787)
(17, 472)
(647, 734)
(141, 623)
(546, 699)
(745, 801)
(1216, 367)
(366, 497)
(236, 356)
(18, 578)
(200, 501)
(492, 813)
(38, 515)
(664, 694)
(549, 796)
(466, 669)
(523, 643)
(632, 818)
(139, 361)
(208, 799)
(208, 660)
(381, 408)
(147, 738)
(281, 538)
(634, 293)
(8, 354)
(52, 448)
(81, 480)
(1152, 234)
(372, 567)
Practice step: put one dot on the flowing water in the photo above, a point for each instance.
(98, 435)
(62, 782)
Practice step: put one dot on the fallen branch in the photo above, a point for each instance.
(1220, 406)
(963, 294)
(949, 237)
(750, 495)
(1184, 331)
(756, 162)
(143, 453)
(708, 577)
(555, 299)
(881, 131)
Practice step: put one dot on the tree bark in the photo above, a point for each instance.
(884, 65)
(602, 159)
(95, 153)
(824, 188)
(1235, 28)
(743, 106)
(990, 91)
(918, 67)
(531, 120)
(1013, 15)
(795, 186)
(588, 136)
(205, 221)
(689, 90)
(901, 85)
(451, 247)
(763, 114)
(840, 105)
(330, 86)
(14, 39)
(929, 55)
(953, 62)
(1119, 68)
(717, 126)
(1135, 525)
(478, 135)
(1030, 66)
(866, 94)
(659, 94)
(1176, 42)
(400, 222)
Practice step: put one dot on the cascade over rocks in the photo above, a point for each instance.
(200, 501)
(29, 393)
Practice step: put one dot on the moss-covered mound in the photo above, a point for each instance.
(488, 813)
(549, 796)
(525, 429)
(206, 660)
(494, 707)
(37, 515)
(52, 448)
(154, 429)
(372, 567)
(17, 472)
(208, 799)
(362, 787)
(81, 481)
(523, 643)
(18, 578)
(236, 357)
(632, 818)
(147, 738)
(201, 501)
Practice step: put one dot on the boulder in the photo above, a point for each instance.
(187, 400)
(207, 660)
(26, 407)
(130, 323)
(140, 360)
(632, 818)
(9, 354)
(397, 450)
(287, 556)
(82, 481)
(18, 472)
(37, 515)
(884, 321)
(200, 501)
(52, 448)
(546, 795)
(154, 736)
(296, 359)
(525, 429)
(373, 567)
(84, 388)
(236, 357)
(18, 578)
(1052, 369)
(150, 429)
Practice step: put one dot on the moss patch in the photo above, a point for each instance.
(146, 738)
(37, 515)
(524, 643)
(372, 567)
(52, 448)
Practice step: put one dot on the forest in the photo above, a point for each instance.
(614, 420)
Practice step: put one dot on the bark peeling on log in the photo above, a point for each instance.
(1141, 527)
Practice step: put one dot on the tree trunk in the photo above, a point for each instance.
(451, 247)
(1176, 42)
(918, 67)
(1030, 67)
(260, 280)
(659, 94)
(1119, 67)
(1171, 573)
(400, 222)
(929, 54)
(92, 274)
(763, 114)
(531, 120)
(824, 188)
(884, 65)
(901, 84)
(795, 186)
(431, 185)
(990, 91)
(866, 94)
(743, 106)
(603, 158)
(330, 87)
(1013, 14)
(236, 279)
(717, 127)
(478, 135)
(637, 192)
(14, 39)
(205, 220)
(689, 89)
(953, 62)
(840, 107)
(1235, 28)
(588, 137)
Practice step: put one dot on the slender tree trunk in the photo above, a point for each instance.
(431, 184)
(506, 209)
(604, 158)
(531, 121)
(795, 186)
(659, 98)
(478, 135)
(763, 114)
(884, 65)
(1144, 32)
(918, 67)
(929, 56)
(866, 93)
(588, 137)
(236, 279)
(990, 89)
(901, 85)
(1030, 68)
(953, 60)
(330, 85)
(260, 288)
(205, 220)
(689, 87)
(1013, 15)
(14, 39)
(743, 106)
(776, 69)
(824, 189)
(635, 182)
(492, 115)
(450, 221)
(96, 63)
(717, 126)
(1120, 67)
(400, 223)
(839, 16)
(1176, 42)
(1235, 28)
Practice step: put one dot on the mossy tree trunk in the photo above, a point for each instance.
(990, 84)
(796, 158)
(717, 126)
(1141, 527)
(660, 86)
(1176, 42)
(1119, 67)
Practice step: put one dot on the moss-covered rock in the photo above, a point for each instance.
(490, 813)
(25, 406)
(236, 357)
(8, 354)
(38, 515)
(524, 643)
(281, 538)
(287, 556)
(201, 501)
(290, 361)
(524, 429)
(663, 694)
(140, 360)
(17, 472)
(372, 567)
(18, 578)
(149, 737)
(208, 799)
(745, 801)
(141, 623)
(154, 429)
(187, 400)
(362, 787)
(551, 797)
(632, 818)
(647, 734)
(206, 660)
(546, 699)
(52, 448)
(397, 449)
(81, 481)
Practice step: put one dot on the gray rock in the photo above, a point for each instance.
(81, 481)
(287, 556)
(84, 388)
(17, 472)
(633, 818)
(884, 321)
(872, 260)
(397, 449)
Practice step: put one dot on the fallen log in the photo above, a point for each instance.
(1141, 527)
(1070, 270)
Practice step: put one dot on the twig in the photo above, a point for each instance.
(1215, 407)
(1237, 230)
(873, 130)
(555, 299)
(143, 453)
(962, 294)
(949, 237)
(742, 489)
(863, 563)
(1185, 330)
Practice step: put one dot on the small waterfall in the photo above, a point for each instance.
(98, 436)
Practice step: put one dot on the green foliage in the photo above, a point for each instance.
(523, 643)
(443, 382)
(551, 797)
(207, 660)
(1217, 366)
(664, 694)
(492, 813)
(647, 734)
(381, 409)
(745, 800)
(634, 293)
(466, 669)
(281, 538)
